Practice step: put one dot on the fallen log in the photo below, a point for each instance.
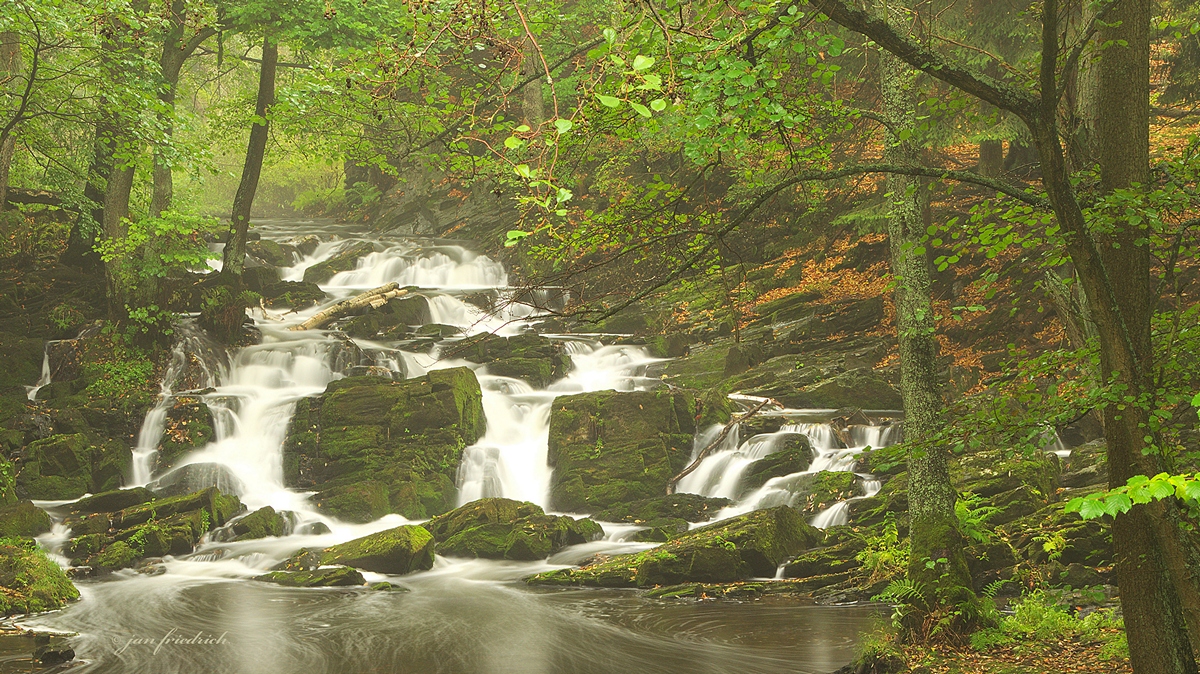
(715, 443)
(372, 298)
(21, 195)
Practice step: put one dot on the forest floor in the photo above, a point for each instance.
(1065, 657)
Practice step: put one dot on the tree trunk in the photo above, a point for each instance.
(235, 249)
(1153, 554)
(10, 66)
(991, 157)
(81, 243)
(533, 104)
(116, 210)
(934, 531)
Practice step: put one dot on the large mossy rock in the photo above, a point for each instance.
(29, 580)
(686, 507)
(608, 448)
(23, 519)
(273, 253)
(188, 426)
(531, 357)
(112, 501)
(747, 546)
(404, 549)
(371, 446)
(260, 524)
(337, 576)
(992, 472)
(394, 320)
(67, 466)
(500, 528)
(795, 454)
(163, 526)
(345, 259)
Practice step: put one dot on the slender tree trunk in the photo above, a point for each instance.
(10, 65)
(533, 104)
(235, 249)
(116, 210)
(933, 529)
(81, 243)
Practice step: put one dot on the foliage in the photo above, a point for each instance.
(1038, 618)
(973, 512)
(884, 555)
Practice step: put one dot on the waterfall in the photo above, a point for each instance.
(32, 391)
(510, 459)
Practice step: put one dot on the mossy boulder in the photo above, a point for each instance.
(1086, 466)
(608, 447)
(112, 501)
(825, 561)
(682, 506)
(393, 320)
(747, 546)
(404, 549)
(260, 524)
(370, 446)
(1051, 534)
(29, 580)
(794, 454)
(991, 472)
(345, 259)
(188, 426)
(25, 519)
(164, 526)
(23, 362)
(338, 576)
(530, 357)
(500, 528)
(273, 253)
(293, 294)
(67, 466)
(8, 481)
(826, 488)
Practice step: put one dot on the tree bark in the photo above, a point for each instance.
(10, 66)
(934, 533)
(991, 157)
(116, 210)
(235, 249)
(533, 104)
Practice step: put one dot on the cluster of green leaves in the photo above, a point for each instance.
(885, 555)
(1038, 620)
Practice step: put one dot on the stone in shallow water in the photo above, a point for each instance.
(338, 576)
(112, 501)
(397, 551)
(195, 477)
(500, 528)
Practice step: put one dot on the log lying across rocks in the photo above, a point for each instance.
(713, 445)
(372, 298)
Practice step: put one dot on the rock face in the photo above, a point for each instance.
(396, 551)
(608, 448)
(23, 519)
(751, 545)
(794, 455)
(338, 576)
(344, 260)
(68, 466)
(189, 426)
(500, 528)
(30, 581)
(533, 358)
(165, 526)
(372, 446)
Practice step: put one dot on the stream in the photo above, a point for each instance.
(200, 613)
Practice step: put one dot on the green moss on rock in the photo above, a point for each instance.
(751, 545)
(401, 550)
(29, 580)
(345, 259)
(367, 435)
(260, 524)
(687, 507)
(499, 528)
(795, 454)
(339, 576)
(23, 519)
(608, 447)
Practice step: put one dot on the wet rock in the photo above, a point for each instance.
(394, 320)
(293, 294)
(682, 506)
(67, 466)
(305, 245)
(112, 501)
(195, 477)
(345, 259)
(500, 528)
(260, 524)
(219, 506)
(372, 446)
(892, 498)
(660, 530)
(608, 448)
(23, 362)
(49, 656)
(750, 545)
(188, 426)
(338, 576)
(825, 561)
(795, 454)
(256, 276)
(1087, 465)
(273, 253)
(530, 357)
(23, 519)
(29, 580)
(397, 551)
(1051, 534)
(991, 472)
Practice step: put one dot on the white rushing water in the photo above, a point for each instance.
(721, 473)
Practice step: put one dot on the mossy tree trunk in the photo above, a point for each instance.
(235, 249)
(10, 69)
(1155, 557)
(934, 534)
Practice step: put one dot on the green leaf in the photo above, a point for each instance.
(608, 101)
(563, 125)
(640, 109)
(512, 142)
(513, 237)
(523, 171)
(642, 62)
(610, 35)
(658, 105)
(524, 128)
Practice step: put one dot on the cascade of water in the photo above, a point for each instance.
(32, 391)
(510, 459)
(190, 341)
(407, 265)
